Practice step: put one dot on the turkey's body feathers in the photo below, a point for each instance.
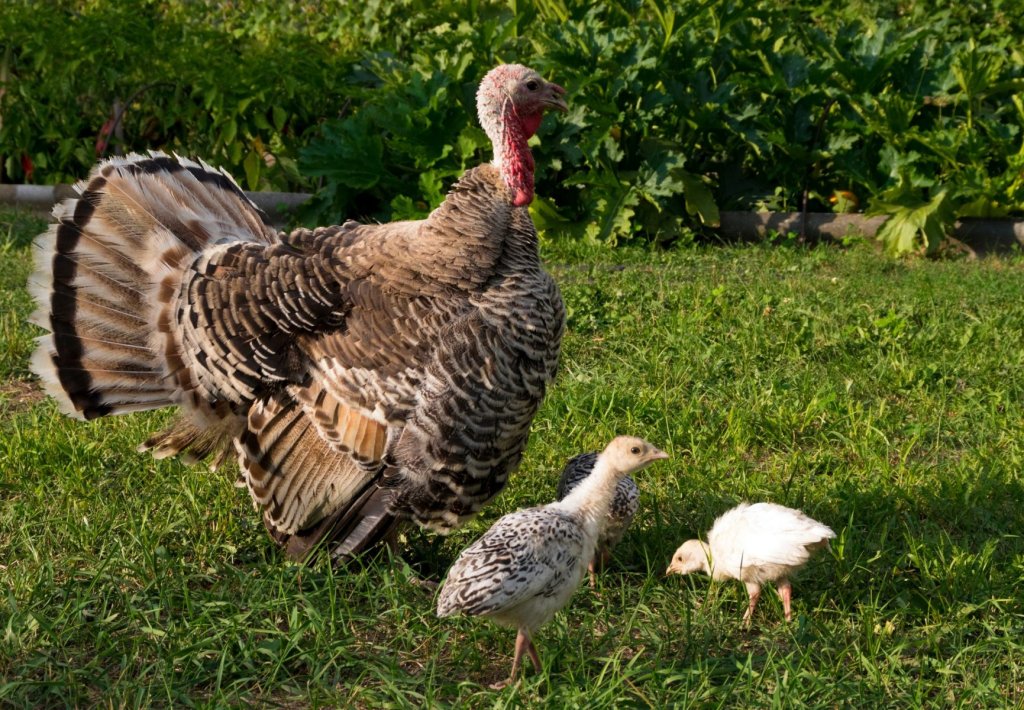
(407, 357)
(521, 571)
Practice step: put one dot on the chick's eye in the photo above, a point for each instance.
(531, 85)
(635, 450)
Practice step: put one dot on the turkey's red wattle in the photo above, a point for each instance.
(517, 165)
(531, 123)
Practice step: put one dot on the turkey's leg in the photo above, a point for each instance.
(786, 592)
(754, 590)
(523, 643)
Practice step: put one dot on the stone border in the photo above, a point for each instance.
(980, 235)
(41, 199)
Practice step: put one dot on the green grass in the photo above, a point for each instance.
(884, 398)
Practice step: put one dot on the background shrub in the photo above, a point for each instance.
(678, 108)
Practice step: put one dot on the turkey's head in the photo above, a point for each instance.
(692, 556)
(628, 454)
(511, 102)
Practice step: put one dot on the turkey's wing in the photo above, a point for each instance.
(297, 475)
(376, 363)
(526, 554)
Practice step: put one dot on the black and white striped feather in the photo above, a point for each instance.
(521, 571)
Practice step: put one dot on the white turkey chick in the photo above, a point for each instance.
(755, 544)
(624, 505)
(363, 374)
(528, 564)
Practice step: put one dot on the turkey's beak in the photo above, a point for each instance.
(657, 455)
(555, 98)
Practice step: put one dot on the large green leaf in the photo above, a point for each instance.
(348, 152)
(699, 200)
(914, 223)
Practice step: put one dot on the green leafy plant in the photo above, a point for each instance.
(914, 222)
(678, 109)
(87, 79)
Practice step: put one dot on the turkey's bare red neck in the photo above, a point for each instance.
(512, 153)
(510, 119)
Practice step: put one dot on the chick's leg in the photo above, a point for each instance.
(754, 591)
(532, 651)
(523, 643)
(786, 592)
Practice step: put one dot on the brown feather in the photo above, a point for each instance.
(290, 470)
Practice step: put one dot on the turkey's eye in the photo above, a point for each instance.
(635, 450)
(532, 85)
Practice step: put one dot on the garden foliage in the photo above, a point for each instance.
(678, 109)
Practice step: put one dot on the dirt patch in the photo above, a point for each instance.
(19, 395)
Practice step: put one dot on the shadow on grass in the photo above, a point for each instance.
(927, 550)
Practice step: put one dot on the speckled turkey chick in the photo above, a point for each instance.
(362, 374)
(624, 506)
(528, 564)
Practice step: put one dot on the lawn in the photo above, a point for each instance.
(882, 397)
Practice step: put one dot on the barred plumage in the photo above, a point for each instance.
(362, 374)
(624, 506)
(528, 564)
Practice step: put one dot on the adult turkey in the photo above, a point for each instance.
(363, 374)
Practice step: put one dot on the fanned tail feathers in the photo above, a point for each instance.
(120, 285)
(107, 271)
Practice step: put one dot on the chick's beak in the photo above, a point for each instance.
(671, 568)
(657, 454)
(555, 98)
